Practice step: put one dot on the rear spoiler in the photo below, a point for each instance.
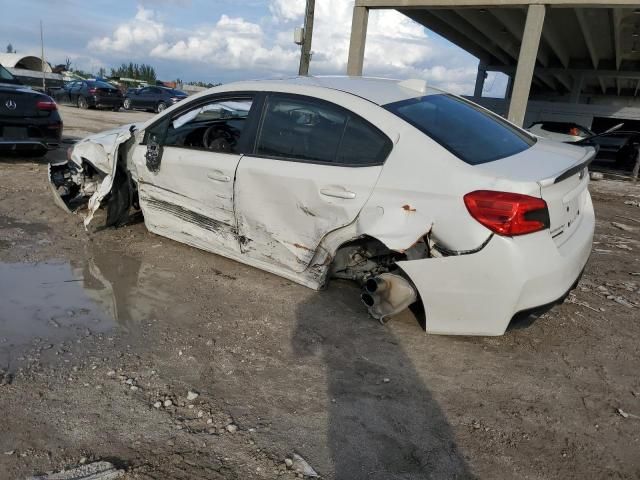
(587, 159)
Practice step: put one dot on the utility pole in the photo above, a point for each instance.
(305, 49)
(44, 87)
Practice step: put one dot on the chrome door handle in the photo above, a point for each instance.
(218, 176)
(334, 192)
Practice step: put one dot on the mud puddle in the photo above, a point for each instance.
(43, 305)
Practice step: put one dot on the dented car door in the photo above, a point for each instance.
(313, 168)
(185, 178)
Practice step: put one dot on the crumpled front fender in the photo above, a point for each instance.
(101, 152)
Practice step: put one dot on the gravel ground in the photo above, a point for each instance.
(103, 334)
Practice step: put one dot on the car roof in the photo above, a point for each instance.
(377, 90)
(380, 91)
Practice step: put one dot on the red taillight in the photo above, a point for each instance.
(93, 91)
(507, 213)
(46, 105)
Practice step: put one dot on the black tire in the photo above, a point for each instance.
(127, 104)
(82, 103)
(116, 109)
(160, 107)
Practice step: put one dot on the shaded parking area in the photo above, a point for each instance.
(103, 334)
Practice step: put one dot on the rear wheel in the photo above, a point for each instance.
(160, 107)
(127, 104)
(82, 103)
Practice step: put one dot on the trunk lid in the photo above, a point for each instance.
(561, 179)
(18, 101)
(107, 92)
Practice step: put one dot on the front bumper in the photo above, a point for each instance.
(479, 293)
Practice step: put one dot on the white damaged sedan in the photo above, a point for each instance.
(418, 195)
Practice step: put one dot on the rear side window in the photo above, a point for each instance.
(467, 131)
(306, 129)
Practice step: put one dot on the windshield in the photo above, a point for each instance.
(472, 134)
(6, 77)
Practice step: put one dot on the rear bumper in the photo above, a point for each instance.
(7, 145)
(30, 133)
(478, 294)
(109, 102)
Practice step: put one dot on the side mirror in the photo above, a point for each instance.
(153, 155)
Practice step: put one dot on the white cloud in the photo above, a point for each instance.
(287, 10)
(396, 46)
(143, 30)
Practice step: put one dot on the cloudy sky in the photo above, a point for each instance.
(226, 40)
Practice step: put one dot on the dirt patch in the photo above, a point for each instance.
(281, 369)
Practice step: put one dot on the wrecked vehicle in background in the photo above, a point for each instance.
(418, 195)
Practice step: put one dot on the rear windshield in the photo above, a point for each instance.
(99, 84)
(472, 134)
(5, 76)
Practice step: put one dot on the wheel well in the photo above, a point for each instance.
(359, 258)
(364, 257)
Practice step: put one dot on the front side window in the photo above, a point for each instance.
(306, 129)
(215, 126)
(472, 134)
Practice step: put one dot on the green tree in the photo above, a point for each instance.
(10, 49)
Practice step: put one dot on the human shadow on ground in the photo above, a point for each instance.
(383, 422)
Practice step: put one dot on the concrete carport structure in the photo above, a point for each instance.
(549, 48)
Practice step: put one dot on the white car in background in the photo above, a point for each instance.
(567, 132)
(417, 194)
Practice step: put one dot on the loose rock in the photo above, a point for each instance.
(191, 395)
(624, 227)
(93, 471)
(300, 465)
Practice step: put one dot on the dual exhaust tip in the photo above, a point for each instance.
(387, 294)
(372, 286)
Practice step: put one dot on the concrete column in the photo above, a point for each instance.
(358, 40)
(526, 63)
(480, 78)
(576, 89)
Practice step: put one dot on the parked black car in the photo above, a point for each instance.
(619, 146)
(90, 93)
(153, 98)
(29, 120)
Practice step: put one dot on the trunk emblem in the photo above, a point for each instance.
(10, 104)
